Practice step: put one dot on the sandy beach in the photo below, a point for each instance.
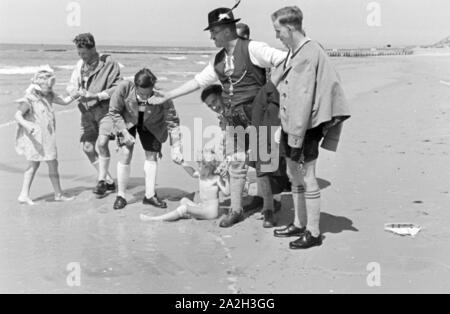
(392, 166)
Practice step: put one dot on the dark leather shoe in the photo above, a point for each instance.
(154, 201)
(305, 242)
(120, 203)
(289, 231)
(111, 187)
(101, 188)
(269, 219)
(231, 219)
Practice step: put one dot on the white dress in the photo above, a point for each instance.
(41, 146)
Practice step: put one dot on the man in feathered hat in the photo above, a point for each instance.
(240, 67)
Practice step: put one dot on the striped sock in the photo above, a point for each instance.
(313, 212)
(298, 197)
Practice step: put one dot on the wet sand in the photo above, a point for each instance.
(392, 166)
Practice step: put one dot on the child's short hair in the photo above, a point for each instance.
(85, 40)
(209, 161)
(42, 75)
(211, 90)
(145, 78)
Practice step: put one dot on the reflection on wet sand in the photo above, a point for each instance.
(116, 252)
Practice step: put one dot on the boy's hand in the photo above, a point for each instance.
(126, 139)
(88, 96)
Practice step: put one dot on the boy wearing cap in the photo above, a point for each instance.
(240, 68)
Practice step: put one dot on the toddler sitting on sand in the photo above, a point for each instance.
(210, 183)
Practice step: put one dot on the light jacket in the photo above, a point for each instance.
(103, 80)
(158, 119)
(310, 95)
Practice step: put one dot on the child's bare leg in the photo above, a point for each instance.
(175, 215)
(186, 201)
(28, 178)
(204, 212)
(53, 174)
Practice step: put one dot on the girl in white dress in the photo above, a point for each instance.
(36, 138)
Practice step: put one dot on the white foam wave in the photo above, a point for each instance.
(184, 74)
(65, 67)
(160, 78)
(17, 70)
(174, 58)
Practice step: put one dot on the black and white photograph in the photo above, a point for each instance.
(224, 153)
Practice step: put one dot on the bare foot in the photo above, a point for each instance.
(62, 198)
(26, 200)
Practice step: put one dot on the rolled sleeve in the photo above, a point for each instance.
(264, 56)
(116, 107)
(207, 77)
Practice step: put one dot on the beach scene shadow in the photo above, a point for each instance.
(70, 192)
(335, 224)
(164, 193)
(43, 173)
(323, 184)
(328, 223)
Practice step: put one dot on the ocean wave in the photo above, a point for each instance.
(22, 70)
(201, 62)
(185, 73)
(15, 70)
(204, 53)
(182, 58)
(65, 67)
(160, 78)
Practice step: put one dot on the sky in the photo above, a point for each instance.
(334, 23)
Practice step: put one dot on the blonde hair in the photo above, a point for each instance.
(209, 163)
(42, 76)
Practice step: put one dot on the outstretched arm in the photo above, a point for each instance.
(224, 185)
(186, 88)
(205, 78)
(64, 101)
